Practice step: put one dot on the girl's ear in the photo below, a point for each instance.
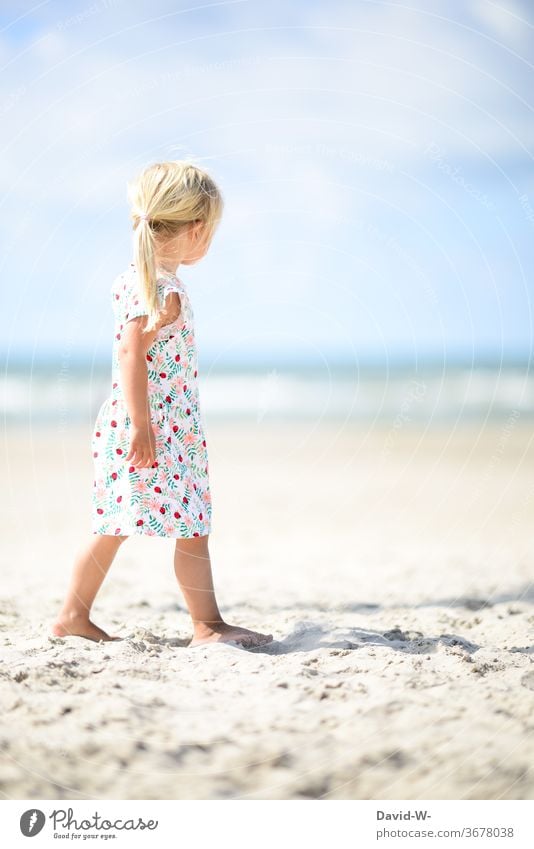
(197, 229)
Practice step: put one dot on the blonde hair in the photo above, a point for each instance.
(165, 198)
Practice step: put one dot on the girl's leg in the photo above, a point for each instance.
(192, 566)
(90, 569)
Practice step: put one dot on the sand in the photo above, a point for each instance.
(394, 568)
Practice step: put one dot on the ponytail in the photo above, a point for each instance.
(164, 200)
(144, 245)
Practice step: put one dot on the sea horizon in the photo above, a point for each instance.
(72, 388)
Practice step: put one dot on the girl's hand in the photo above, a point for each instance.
(142, 453)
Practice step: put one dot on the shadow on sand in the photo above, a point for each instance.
(311, 636)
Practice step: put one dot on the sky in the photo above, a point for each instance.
(375, 160)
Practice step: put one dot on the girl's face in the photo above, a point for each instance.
(187, 248)
(196, 243)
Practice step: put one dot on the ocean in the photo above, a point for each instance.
(68, 392)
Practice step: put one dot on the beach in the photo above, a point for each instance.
(393, 566)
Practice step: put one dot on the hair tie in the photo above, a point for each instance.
(144, 216)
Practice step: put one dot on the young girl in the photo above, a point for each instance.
(149, 450)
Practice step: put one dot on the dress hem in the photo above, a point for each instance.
(151, 534)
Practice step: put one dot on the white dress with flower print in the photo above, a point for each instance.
(171, 498)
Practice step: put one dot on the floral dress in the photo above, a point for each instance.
(171, 498)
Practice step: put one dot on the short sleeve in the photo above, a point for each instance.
(166, 285)
(133, 302)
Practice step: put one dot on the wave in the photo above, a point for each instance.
(422, 396)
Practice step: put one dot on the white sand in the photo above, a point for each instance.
(368, 554)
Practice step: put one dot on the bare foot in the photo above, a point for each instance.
(224, 633)
(76, 625)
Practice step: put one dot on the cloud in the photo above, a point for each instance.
(508, 20)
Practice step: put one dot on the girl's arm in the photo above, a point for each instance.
(134, 379)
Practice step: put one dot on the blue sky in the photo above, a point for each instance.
(375, 160)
